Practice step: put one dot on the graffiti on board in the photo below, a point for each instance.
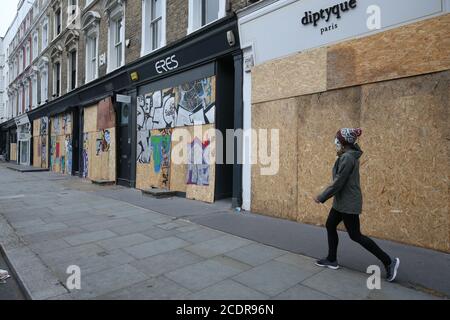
(156, 110)
(196, 105)
(103, 143)
(85, 155)
(198, 162)
(144, 147)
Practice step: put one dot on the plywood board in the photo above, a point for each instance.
(178, 169)
(414, 49)
(276, 194)
(320, 116)
(13, 152)
(296, 75)
(90, 119)
(202, 192)
(404, 168)
(106, 116)
(405, 171)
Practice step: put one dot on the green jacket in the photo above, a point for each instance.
(346, 188)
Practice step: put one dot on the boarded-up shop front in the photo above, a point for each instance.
(40, 143)
(180, 118)
(98, 161)
(190, 98)
(61, 143)
(394, 84)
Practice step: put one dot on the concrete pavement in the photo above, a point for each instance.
(127, 249)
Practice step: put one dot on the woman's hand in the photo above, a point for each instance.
(316, 199)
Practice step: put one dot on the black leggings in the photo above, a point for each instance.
(352, 225)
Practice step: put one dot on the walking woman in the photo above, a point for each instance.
(347, 204)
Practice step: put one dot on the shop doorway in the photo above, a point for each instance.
(124, 144)
(225, 121)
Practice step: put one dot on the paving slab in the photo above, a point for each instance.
(217, 246)
(162, 263)
(228, 290)
(255, 254)
(202, 275)
(159, 288)
(273, 277)
(87, 237)
(155, 247)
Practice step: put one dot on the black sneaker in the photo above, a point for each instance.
(391, 270)
(327, 264)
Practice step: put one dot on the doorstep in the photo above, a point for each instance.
(159, 193)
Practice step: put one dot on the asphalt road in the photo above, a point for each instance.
(9, 290)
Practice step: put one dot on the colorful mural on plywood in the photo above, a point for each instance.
(158, 114)
(60, 143)
(40, 142)
(198, 162)
(98, 155)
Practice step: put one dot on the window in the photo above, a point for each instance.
(203, 12)
(44, 34)
(115, 12)
(91, 58)
(21, 61)
(72, 70)
(35, 9)
(27, 96)
(72, 9)
(35, 46)
(56, 79)
(27, 55)
(154, 25)
(34, 87)
(44, 84)
(57, 22)
(116, 46)
(20, 103)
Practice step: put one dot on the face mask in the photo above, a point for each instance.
(338, 145)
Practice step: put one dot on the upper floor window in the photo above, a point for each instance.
(72, 11)
(203, 12)
(56, 79)
(57, 22)
(72, 70)
(44, 34)
(35, 45)
(27, 54)
(35, 9)
(153, 25)
(115, 10)
(91, 57)
(90, 26)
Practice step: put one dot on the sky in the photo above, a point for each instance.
(8, 9)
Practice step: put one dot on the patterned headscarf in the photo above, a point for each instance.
(348, 136)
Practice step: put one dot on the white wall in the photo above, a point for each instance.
(9, 36)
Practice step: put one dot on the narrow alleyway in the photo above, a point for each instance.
(49, 222)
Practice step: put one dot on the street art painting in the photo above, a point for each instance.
(66, 121)
(196, 105)
(103, 142)
(161, 149)
(68, 147)
(43, 130)
(144, 147)
(157, 110)
(198, 162)
(85, 155)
